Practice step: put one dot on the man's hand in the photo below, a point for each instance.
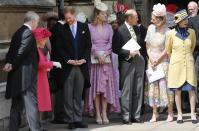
(72, 62)
(80, 62)
(7, 67)
(134, 53)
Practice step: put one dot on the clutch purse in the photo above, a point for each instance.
(94, 60)
(155, 74)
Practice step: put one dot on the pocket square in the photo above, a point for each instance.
(83, 32)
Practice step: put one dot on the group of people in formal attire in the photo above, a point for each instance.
(94, 73)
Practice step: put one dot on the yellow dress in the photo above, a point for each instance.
(181, 66)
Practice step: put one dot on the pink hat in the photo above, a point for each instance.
(41, 33)
(159, 10)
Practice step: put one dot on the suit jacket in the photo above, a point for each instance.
(23, 56)
(143, 51)
(193, 23)
(66, 50)
(181, 65)
(120, 38)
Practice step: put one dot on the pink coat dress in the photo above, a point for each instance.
(43, 90)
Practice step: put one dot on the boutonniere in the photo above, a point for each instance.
(83, 32)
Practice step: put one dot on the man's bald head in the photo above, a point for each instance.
(131, 17)
(192, 8)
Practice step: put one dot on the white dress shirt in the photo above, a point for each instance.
(28, 26)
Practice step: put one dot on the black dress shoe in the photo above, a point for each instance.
(137, 121)
(125, 122)
(58, 121)
(71, 126)
(194, 121)
(180, 121)
(80, 125)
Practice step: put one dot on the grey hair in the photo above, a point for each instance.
(30, 16)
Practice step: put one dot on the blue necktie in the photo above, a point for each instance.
(73, 31)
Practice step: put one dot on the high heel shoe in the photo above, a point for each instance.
(180, 120)
(170, 118)
(105, 120)
(154, 118)
(99, 121)
(194, 119)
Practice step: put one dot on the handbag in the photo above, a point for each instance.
(94, 60)
(155, 74)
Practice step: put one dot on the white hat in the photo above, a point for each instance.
(111, 18)
(81, 17)
(101, 6)
(96, 2)
(159, 10)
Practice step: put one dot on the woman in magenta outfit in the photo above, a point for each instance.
(43, 90)
(103, 93)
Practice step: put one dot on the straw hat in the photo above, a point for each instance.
(180, 15)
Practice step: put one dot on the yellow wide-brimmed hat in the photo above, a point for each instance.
(180, 15)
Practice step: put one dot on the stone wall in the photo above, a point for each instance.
(11, 16)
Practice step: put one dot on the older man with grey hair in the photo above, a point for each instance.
(193, 23)
(192, 8)
(22, 65)
(131, 67)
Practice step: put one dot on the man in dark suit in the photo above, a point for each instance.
(131, 67)
(59, 112)
(193, 23)
(74, 47)
(21, 65)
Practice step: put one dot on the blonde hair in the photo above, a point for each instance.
(95, 19)
(163, 19)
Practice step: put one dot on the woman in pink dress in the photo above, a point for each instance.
(103, 93)
(43, 90)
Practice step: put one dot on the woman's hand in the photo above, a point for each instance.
(101, 59)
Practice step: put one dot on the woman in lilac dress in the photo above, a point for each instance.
(103, 93)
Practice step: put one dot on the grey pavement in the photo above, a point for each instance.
(116, 125)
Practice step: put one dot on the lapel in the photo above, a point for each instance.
(126, 31)
(78, 33)
(68, 33)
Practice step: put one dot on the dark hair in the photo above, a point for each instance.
(69, 9)
(139, 18)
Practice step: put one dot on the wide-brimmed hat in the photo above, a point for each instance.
(180, 15)
(41, 33)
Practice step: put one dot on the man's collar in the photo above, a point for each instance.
(61, 22)
(127, 24)
(28, 26)
(75, 23)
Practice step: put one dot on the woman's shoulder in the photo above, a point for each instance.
(151, 27)
(191, 30)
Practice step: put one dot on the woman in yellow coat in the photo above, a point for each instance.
(180, 45)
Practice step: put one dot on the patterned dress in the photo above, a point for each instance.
(103, 81)
(157, 92)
